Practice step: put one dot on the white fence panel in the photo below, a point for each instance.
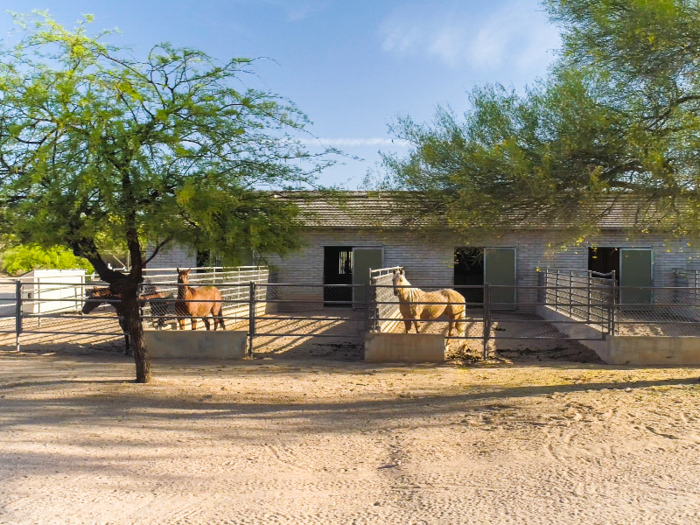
(45, 291)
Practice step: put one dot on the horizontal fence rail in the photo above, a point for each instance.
(269, 311)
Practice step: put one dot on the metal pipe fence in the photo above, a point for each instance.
(383, 303)
(267, 311)
(233, 284)
(581, 294)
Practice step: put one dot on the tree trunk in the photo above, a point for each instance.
(134, 325)
(126, 286)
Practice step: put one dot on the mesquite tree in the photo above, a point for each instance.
(98, 148)
(618, 118)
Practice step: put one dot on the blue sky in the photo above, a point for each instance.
(352, 66)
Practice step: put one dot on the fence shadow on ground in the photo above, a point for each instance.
(341, 335)
(103, 408)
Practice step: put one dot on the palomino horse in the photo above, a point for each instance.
(188, 302)
(99, 296)
(411, 304)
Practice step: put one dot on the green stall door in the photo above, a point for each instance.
(635, 270)
(363, 260)
(499, 269)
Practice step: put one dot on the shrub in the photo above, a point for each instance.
(24, 258)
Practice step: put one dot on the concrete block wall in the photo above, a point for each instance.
(668, 254)
(429, 259)
(175, 257)
(427, 263)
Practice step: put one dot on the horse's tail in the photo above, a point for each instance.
(217, 310)
(457, 306)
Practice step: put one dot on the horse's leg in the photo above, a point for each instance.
(127, 340)
(414, 314)
(214, 317)
(161, 310)
(220, 315)
(407, 325)
(194, 323)
(206, 322)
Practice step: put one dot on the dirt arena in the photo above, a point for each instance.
(278, 440)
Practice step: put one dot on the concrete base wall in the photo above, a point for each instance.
(657, 350)
(630, 349)
(404, 348)
(196, 345)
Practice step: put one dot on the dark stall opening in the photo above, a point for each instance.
(604, 260)
(337, 269)
(469, 270)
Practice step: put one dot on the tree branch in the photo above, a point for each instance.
(157, 249)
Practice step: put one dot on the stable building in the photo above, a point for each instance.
(343, 241)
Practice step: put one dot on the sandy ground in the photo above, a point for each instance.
(277, 440)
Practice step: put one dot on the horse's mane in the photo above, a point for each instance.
(104, 294)
(411, 294)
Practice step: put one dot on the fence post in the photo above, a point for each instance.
(571, 293)
(487, 319)
(18, 313)
(613, 304)
(37, 299)
(79, 298)
(368, 322)
(588, 301)
(251, 318)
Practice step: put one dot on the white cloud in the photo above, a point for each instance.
(347, 142)
(299, 9)
(512, 34)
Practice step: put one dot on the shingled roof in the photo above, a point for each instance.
(358, 209)
(382, 210)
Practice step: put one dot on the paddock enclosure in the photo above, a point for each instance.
(564, 310)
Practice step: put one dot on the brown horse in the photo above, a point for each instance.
(99, 296)
(209, 296)
(411, 304)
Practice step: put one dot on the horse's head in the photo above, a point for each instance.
(183, 276)
(95, 298)
(399, 279)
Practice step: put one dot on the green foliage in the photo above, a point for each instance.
(21, 259)
(99, 149)
(617, 118)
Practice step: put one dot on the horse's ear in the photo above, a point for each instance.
(188, 271)
(178, 270)
(401, 271)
